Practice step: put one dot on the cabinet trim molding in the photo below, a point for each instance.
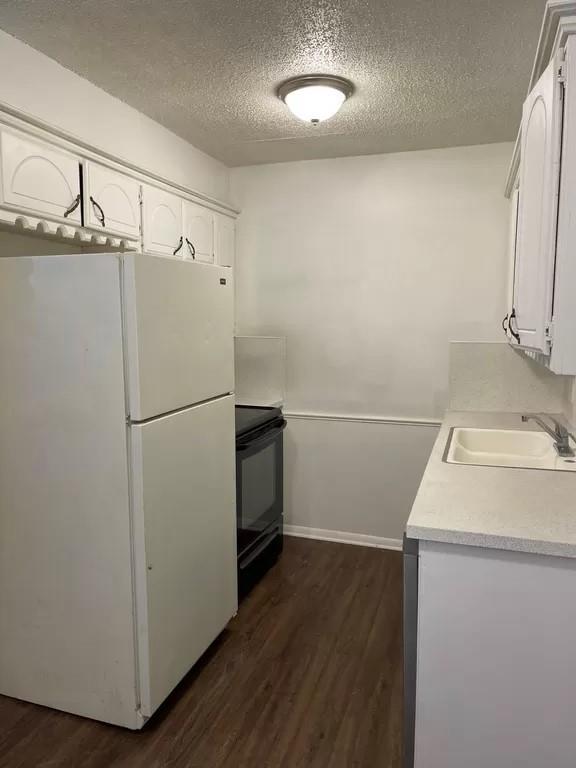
(392, 420)
(12, 117)
(36, 226)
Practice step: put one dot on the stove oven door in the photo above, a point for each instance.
(259, 484)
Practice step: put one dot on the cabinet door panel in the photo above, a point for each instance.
(111, 201)
(39, 179)
(225, 239)
(538, 205)
(162, 222)
(198, 232)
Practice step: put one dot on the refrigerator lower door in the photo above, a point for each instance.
(179, 328)
(184, 519)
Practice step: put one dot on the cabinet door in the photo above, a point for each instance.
(40, 179)
(198, 233)
(538, 205)
(185, 540)
(162, 222)
(111, 201)
(225, 240)
(511, 264)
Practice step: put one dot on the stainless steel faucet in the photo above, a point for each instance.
(558, 433)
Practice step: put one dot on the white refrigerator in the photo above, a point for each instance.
(117, 478)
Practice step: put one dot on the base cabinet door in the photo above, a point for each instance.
(162, 222)
(112, 201)
(39, 179)
(185, 527)
(495, 659)
(198, 233)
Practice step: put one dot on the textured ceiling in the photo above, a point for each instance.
(428, 73)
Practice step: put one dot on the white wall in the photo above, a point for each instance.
(369, 266)
(571, 409)
(38, 85)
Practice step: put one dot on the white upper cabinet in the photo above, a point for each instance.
(198, 232)
(39, 179)
(111, 201)
(162, 222)
(224, 240)
(43, 186)
(512, 238)
(172, 225)
(537, 212)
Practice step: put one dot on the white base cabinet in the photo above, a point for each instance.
(496, 668)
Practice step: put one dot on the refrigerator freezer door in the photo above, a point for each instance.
(179, 333)
(184, 519)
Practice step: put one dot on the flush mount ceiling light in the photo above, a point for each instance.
(314, 98)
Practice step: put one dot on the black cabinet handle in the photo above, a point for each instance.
(98, 210)
(191, 248)
(505, 323)
(178, 247)
(73, 206)
(512, 331)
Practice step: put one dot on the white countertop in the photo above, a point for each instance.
(526, 510)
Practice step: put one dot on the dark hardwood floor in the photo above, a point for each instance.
(308, 675)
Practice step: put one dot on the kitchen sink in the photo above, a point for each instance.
(505, 448)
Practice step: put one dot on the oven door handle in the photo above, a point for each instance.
(258, 550)
(265, 438)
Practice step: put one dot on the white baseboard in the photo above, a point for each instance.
(360, 539)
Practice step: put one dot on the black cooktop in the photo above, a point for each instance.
(250, 417)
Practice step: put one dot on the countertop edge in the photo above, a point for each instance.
(432, 519)
(491, 541)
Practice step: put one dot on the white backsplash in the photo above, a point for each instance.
(260, 370)
(493, 376)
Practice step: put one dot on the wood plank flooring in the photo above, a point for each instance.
(308, 675)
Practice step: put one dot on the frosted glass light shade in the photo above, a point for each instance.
(315, 103)
(314, 98)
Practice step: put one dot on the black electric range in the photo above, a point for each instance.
(259, 491)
